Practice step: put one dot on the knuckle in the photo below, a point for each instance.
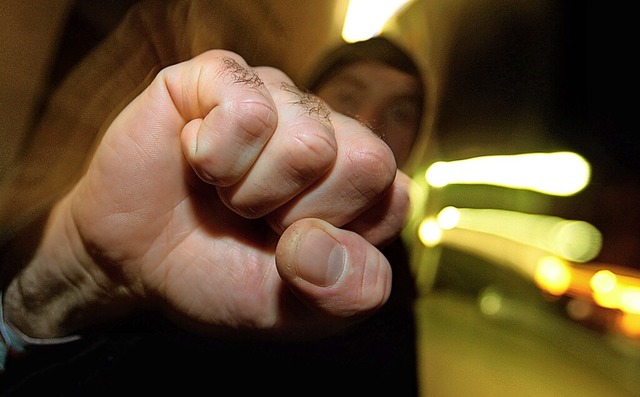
(376, 162)
(313, 151)
(254, 116)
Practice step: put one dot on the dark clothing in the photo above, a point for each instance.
(146, 355)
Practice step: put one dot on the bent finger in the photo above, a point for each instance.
(363, 171)
(228, 114)
(384, 221)
(300, 152)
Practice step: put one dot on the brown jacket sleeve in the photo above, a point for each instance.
(152, 35)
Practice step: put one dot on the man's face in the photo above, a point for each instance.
(385, 99)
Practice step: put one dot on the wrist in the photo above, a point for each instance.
(60, 290)
(15, 343)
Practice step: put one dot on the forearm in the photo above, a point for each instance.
(60, 289)
(51, 285)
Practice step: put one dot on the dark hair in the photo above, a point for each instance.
(377, 49)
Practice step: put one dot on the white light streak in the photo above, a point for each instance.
(559, 173)
(366, 18)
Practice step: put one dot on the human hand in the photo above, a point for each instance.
(228, 199)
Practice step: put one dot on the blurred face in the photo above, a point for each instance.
(385, 99)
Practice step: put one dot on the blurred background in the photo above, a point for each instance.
(524, 234)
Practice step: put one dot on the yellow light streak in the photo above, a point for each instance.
(503, 252)
(449, 217)
(366, 18)
(576, 241)
(558, 173)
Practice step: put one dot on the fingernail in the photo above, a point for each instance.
(323, 262)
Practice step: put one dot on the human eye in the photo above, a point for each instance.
(345, 100)
(347, 96)
(403, 112)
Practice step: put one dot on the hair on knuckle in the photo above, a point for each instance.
(239, 74)
(309, 102)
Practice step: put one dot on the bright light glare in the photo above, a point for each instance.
(553, 275)
(609, 300)
(616, 291)
(576, 241)
(625, 298)
(366, 18)
(630, 300)
(449, 217)
(603, 281)
(429, 233)
(559, 173)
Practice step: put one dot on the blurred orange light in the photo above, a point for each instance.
(629, 324)
(553, 275)
(630, 300)
(603, 281)
(609, 300)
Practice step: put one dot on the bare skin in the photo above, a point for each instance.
(226, 199)
(383, 98)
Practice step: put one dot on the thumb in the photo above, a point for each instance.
(333, 270)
